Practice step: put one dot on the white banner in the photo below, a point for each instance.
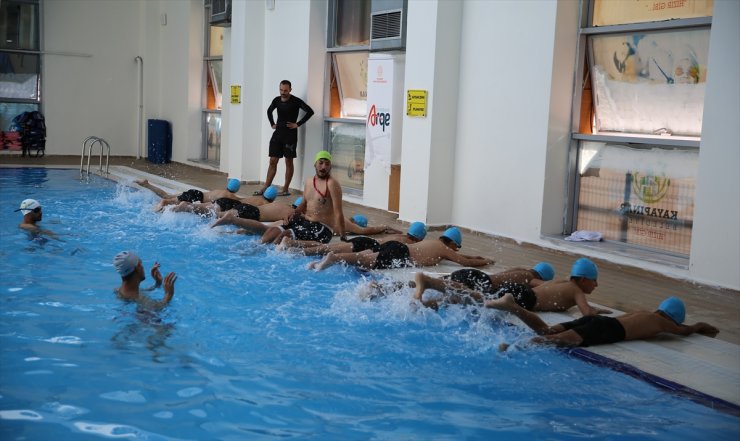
(379, 108)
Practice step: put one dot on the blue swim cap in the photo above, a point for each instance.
(270, 194)
(454, 235)
(674, 308)
(584, 268)
(360, 220)
(545, 270)
(418, 230)
(233, 185)
(298, 201)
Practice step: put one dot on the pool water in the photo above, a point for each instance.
(255, 346)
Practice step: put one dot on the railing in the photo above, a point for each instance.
(87, 150)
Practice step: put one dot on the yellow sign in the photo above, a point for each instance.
(236, 94)
(416, 103)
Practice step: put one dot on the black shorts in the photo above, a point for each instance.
(523, 294)
(362, 243)
(393, 254)
(226, 204)
(597, 329)
(304, 229)
(278, 149)
(191, 195)
(247, 211)
(474, 279)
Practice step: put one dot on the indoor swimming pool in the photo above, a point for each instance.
(256, 346)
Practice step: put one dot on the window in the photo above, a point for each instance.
(213, 88)
(641, 106)
(348, 46)
(20, 64)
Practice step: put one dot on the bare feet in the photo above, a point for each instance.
(505, 303)
(142, 182)
(226, 219)
(328, 260)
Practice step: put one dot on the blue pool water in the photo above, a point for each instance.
(254, 346)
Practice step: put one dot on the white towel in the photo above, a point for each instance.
(582, 236)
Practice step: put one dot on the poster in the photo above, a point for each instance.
(379, 111)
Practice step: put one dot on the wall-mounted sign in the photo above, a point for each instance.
(416, 103)
(236, 94)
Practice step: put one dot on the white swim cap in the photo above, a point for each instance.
(125, 262)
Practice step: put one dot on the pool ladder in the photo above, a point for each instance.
(87, 149)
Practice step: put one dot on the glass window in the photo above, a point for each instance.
(347, 147)
(213, 137)
(213, 50)
(19, 25)
(349, 83)
(351, 23)
(650, 82)
(640, 196)
(615, 12)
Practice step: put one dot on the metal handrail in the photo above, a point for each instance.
(90, 142)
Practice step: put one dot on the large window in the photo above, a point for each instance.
(348, 46)
(641, 104)
(213, 88)
(20, 65)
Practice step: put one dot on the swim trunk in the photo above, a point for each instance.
(278, 149)
(247, 211)
(362, 243)
(304, 229)
(226, 204)
(523, 294)
(393, 254)
(597, 329)
(474, 279)
(191, 195)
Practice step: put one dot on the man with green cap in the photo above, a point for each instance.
(320, 215)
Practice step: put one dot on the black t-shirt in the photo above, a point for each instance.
(287, 111)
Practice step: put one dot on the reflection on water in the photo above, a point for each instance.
(148, 330)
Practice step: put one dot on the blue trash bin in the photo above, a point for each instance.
(159, 141)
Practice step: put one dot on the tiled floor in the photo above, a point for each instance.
(624, 288)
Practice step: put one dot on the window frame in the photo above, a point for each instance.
(206, 112)
(636, 141)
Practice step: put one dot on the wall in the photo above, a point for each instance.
(504, 112)
(715, 245)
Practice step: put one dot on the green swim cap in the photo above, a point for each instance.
(322, 155)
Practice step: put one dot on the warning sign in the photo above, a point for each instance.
(416, 103)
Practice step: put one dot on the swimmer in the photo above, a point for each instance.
(192, 195)
(395, 254)
(417, 232)
(246, 208)
(131, 270)
(32, 214)
(598, 330)
(358, 224)
(557, 295)
(471, 285)
(320, 215)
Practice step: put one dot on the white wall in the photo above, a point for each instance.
(715, 239)
(505, 71)
(94, 95)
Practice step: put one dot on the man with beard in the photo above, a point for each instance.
(285, 136)
(319, 216)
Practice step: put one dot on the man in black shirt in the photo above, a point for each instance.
(285, 136)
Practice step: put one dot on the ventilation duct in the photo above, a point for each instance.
(388, 25)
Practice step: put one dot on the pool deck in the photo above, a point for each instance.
(705, 369)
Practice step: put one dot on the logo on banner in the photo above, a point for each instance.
(381, 118)
(650, 189)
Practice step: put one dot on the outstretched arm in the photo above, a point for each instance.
(587, 309)
(699, 328)
(466, 260)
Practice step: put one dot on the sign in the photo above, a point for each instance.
(379, 111)
(236, 94)
(416, 103)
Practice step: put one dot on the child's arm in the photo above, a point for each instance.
(587, 309)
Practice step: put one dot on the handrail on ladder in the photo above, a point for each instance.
(90, 142)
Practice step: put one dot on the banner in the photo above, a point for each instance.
(379, 111)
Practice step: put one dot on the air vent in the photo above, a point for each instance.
(386, 24)
(220, 13)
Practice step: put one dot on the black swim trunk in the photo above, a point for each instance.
(278, 149)
(225, 204)
(523, 294)
(474, 279)
(597, 329)
(362, 243)
(304, 229)
(393, 254)
(191, 195)
(247, 211)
